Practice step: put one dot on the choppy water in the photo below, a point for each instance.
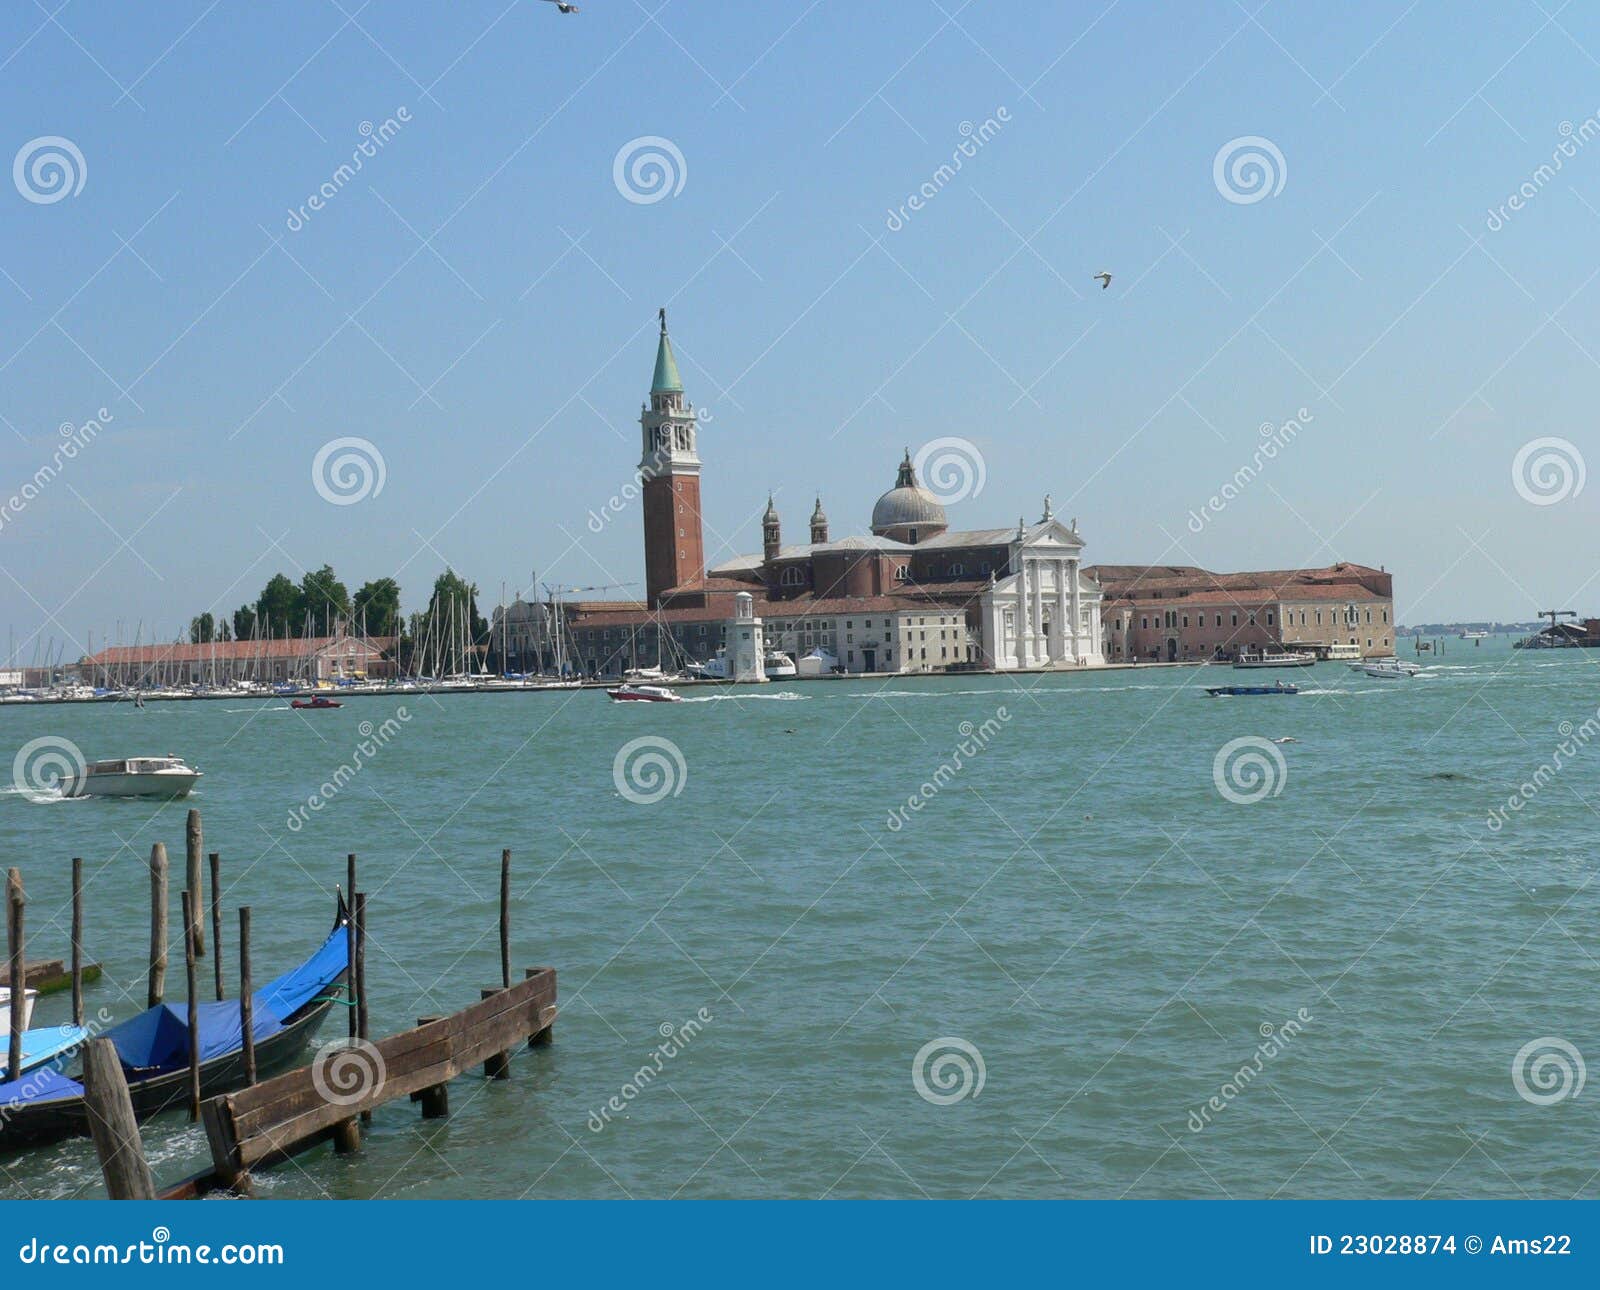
(1078, 903)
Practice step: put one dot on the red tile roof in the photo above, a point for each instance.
(183, 652)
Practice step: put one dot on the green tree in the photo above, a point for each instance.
(438, 629)
(244, 622)
(279, 607)
(324, 600)
(202, 630)
(224, 632)
(377, 605)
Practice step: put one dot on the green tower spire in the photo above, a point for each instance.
(667, 380)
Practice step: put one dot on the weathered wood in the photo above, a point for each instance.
(193, 840)
(52, 976)
(358, 974)
(247, 1003)
(112, 1126)
(77, 940)
(505, 919)
(547, 1036)
(350, 938)
(495, 1065)
(347, 1136)
(216, 921)
(16, 902)
(158, 924)
(281, 1116)
(435, 1098)
(191, 979)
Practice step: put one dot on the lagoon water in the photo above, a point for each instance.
(1103, 931)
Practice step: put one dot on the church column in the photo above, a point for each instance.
(1058, 619)
(1072, 572)
(1022, 612)
(1036, 641)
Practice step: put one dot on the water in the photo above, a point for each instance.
(1078, 903)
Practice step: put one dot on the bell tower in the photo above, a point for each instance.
(669, 469)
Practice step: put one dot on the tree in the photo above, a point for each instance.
(278, 607)
(224, 632)
(323, 601)
(244, 623)
(376, 607)
(438, 629)
(202, 630)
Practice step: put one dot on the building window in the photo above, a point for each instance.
(956, 570)
(1269, 618)
(911, 537)
(793, 576)
(902, 572)
(1236, 618)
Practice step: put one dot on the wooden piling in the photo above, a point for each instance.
(247, 1008)
(358, 971)
(216, 920)
(350, 938)
(18, 977)
(193, 840)
(539, 1038)
(191, 977)
(435, 1099)
(495, 1065)
(505, 919)
(112, 1126)
(158, 924)
(347, 1136)
(77, 940)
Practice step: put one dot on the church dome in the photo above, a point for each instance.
(908, 512)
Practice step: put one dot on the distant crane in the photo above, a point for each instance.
(1552, 615)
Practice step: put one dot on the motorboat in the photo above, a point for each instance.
(131, 777)
(629, 691)
(713, 669)
(1285, 658)
(28, 996)
(1474, 636)
(316, 701)
(1235, 691)
(1387, 667)
(778, 665)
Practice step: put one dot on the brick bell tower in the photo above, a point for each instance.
(674, 551)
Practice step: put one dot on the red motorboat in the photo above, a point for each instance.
(316, 702)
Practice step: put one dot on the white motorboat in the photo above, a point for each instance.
(28, 996)
(628, 691)
(132, 777)
(1286, 658)
(778, 665)
(713, 669)
(1387, 668)
(1474, 636)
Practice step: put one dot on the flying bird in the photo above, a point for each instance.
(1104, 279)
(564, 6)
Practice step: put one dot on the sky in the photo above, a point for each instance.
(475, 305)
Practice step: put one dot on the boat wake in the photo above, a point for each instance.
(782, 696)
(38, 796)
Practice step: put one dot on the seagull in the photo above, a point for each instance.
(564, 6)
(1104, 279)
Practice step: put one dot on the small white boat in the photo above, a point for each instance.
(778, 665)
(1474, 636)
(1387, 668)
(132, 777)
(1287, 658)
(713, 669)
(630, 692)
(28, 996)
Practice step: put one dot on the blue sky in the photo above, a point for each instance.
(479, 301)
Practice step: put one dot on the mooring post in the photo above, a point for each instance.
(191, 975)
(112, 1126)
(435, 1099)
(539, 1038)
(247, 1006)
(216, 920)
(350, 939)
(77, 940)
(193, 840)
(15, 902)
(158, 924)
(359, 971)
(505, 919)
(495, 1065)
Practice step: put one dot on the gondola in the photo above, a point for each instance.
(47, 1106)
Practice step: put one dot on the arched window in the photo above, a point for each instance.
(902, 573)
(793, 576)
(956, 570)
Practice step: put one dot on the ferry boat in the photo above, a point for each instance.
(316, 701)
(1233, 691)
(132, 777)
(1474, 636)
(628, 691)
(1287, 658)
